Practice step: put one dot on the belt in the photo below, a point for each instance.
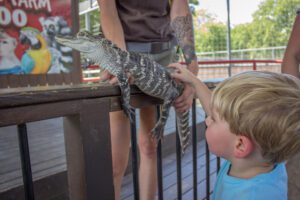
(150, 47)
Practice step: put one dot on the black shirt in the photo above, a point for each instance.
(146, 20)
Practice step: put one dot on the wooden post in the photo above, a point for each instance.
(88, 151)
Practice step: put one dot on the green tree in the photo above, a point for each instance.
(213, 38)
(210, 34)
(273, 20)
(240, 35)
(195, 2)
(271, 25)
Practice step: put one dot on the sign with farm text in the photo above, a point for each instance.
(27, 37)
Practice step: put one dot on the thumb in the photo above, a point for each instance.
(178, 77)
(105, 75)
(114, 81)
(176, 66)
(174, 75)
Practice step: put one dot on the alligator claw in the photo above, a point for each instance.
(157, 132)
(129, 111)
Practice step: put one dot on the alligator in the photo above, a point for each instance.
(149, 76)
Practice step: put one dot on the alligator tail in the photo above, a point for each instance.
(183, 129)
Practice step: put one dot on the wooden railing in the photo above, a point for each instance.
(204, 66)
(85, 109)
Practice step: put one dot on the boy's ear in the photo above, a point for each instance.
(243, 147)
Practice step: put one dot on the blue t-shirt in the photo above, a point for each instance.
(271, 185)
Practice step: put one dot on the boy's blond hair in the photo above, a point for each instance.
(265, 107)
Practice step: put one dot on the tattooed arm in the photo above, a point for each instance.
(182, 25)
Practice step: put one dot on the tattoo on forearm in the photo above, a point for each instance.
(184, 32)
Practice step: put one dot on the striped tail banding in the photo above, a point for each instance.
(183, 128)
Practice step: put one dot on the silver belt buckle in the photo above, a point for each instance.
(161, 46)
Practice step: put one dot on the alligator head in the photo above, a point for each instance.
(84, 41)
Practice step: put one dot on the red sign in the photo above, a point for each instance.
(27, 36)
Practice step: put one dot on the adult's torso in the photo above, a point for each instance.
(145, 20)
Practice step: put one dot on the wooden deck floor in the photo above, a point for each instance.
(47, 152)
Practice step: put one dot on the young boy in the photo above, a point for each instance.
(254, 123)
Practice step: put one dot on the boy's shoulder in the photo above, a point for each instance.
(272, 185)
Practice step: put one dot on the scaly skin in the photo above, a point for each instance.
(149, 76)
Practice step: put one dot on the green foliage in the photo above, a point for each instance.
(195, 2)
(271, 26)
(213, 38)
(94, 21)
(240, 36)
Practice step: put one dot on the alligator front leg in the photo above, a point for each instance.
(158, 130)
(125, 91)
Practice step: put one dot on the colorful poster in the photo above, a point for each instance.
(27, 36)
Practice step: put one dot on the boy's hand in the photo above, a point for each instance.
(182, 73)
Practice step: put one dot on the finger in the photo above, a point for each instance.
(176, 75)
(184, 96)
(113, 81)
(177, 80)
(179, 105)
(184, 104)
(105, 76)
(172, 65)
(176, 65)
(131, 80)
(175, 69)
(181, 110)
(179, 100)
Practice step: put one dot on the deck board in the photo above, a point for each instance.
(47, 152)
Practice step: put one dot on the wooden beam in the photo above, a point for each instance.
(88, 151)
